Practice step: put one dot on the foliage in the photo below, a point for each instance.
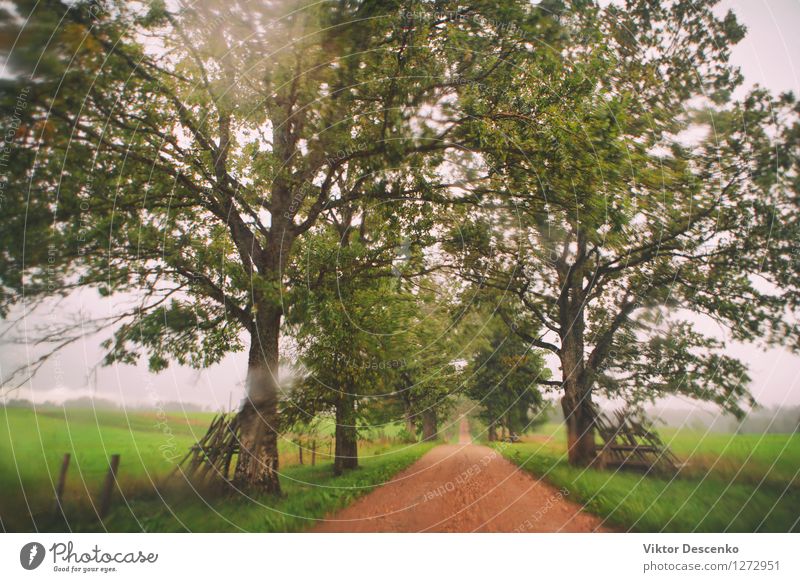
(240, 165)
(613, 231)
(504, 378)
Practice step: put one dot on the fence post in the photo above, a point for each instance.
(62, 479)
(108, 486)
(313, 452)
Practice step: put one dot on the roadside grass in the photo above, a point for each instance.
(32, 444)
(736, 483)
(309, 493)
(743, 458)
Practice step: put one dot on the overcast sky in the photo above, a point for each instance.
(769, 55)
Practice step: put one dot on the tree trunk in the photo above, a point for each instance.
(411, 425)
(411, 428)
(579, 417)
(257, 465)
(577, 403)
(576, 382)
(346, 455)
(429, 428)
(492, 432)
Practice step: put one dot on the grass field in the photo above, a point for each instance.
(728, 482)
(32, 445)
(736, 483)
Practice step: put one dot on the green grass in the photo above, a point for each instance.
(745, 458)
(737, 483)
(309, 493)
(729, 482)
(326, 427)
(32, 445)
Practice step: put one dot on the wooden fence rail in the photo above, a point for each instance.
(62, 480)
(107, 492)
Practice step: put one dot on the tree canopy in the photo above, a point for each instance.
(640, 201)
(344, 182)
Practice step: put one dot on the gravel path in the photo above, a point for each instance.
(463, 488)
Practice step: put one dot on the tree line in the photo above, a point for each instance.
(452, 190)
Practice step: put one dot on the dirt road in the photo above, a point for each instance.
(463, 488)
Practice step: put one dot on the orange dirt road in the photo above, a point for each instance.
(463, 488)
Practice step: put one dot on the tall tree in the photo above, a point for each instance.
(371, 328)
(503, 378)
(178, 153)
(343, 322)
(616, 231)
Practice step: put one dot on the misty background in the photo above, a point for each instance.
(767, 56)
